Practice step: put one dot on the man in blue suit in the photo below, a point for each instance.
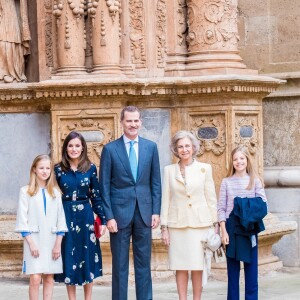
(131, 191)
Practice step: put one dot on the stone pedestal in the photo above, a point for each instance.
(283, 192)
(11, 248)
(222, 112)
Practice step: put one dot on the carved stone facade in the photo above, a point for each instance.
(177, 60)
(210, 129)
(97, 130)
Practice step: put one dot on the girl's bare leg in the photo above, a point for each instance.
(34, 284)
(48, 284)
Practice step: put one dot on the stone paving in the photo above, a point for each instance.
(279, 285)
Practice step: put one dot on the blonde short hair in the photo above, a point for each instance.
(181, 135)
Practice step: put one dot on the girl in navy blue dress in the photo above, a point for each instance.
(78, 181)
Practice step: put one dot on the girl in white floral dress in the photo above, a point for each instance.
(81, 253)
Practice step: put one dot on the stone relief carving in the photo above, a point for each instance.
(103, 33)
(89, 48)
(114, 7)
(137, 38)
(97, 132)
(70, 35)
(212, 138)
(246, 132)
(182, 20)
(212, 23)
(211, 131)
(48, 4)
(14, 40)
(161, 35)
(92, 9)
(48, 39)
(67, 33)
(127, 89)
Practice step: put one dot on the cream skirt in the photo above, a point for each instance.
(186, 251)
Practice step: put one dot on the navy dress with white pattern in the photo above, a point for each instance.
(81, 253)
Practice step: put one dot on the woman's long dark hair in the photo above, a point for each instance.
(84, 162)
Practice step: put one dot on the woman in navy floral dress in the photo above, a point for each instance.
(78, 181)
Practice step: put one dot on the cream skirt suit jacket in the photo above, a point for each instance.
(189, 208)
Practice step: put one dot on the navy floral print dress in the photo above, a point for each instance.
(81, 253)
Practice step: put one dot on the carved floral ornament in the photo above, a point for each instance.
(182, 21)
(212, 22)
(161, 35)
(210, 130)
(97, 132)
(137, 33)
(246, 133)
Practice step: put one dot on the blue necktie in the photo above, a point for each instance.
(133, 160)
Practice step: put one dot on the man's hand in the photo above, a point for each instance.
(155, 221)
(112, 226)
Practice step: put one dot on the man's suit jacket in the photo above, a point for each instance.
(193, 204)
(120, 192)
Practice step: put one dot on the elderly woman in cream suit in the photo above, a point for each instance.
(188, 210)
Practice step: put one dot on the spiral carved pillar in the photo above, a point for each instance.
(212, 37)
(71, 42)
(105, 18)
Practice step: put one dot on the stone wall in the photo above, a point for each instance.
(22, 138)
(269, 42)
(269, 35)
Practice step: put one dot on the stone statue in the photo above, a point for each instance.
(14, 40)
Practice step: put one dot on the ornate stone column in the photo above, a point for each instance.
(126, 65)
(70, 31)
(176, 38)
(212, 37)
(105, 18)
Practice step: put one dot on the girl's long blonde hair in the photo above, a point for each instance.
(51, 183)
(249, 169)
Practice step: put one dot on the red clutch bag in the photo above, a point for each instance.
(97, 227)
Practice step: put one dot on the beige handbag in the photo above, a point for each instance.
(213, 240)
(220, 254)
